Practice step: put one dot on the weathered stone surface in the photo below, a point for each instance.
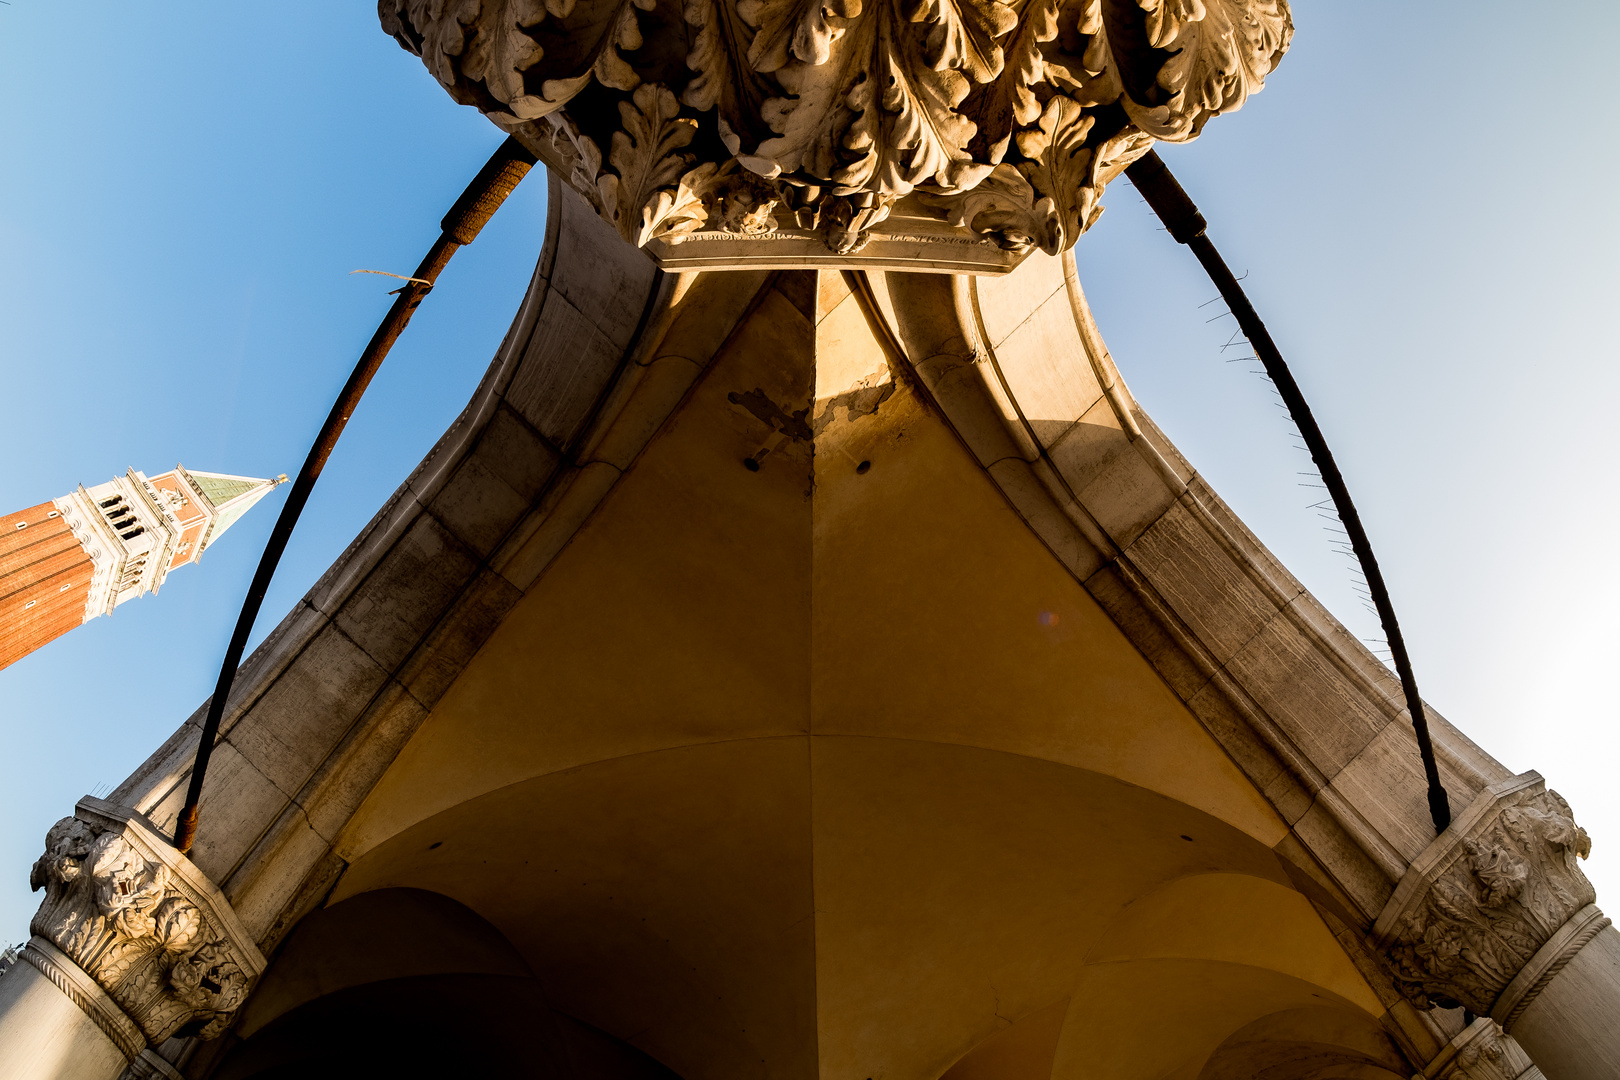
(1005, 303)
(406, 592)
(297, 722)
(1045, 370)
(1299, 687)
(465, 626)
(479, 507)
(608, 282)
(241, 803)
(1127, 496)
(515, 454)
(563, 371)
(1388, 775)
(1200, 581)
(1084, 449)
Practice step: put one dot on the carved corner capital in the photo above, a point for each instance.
(952, 134)
(1483, 1051)
(1475, 912)
(137, 922)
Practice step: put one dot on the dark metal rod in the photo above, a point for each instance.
(494, 182)
(1154, 180)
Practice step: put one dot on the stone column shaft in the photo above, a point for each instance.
(1571, 1025)
(56, 1022)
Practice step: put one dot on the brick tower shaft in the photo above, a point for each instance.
(45, 574)
(64, 562)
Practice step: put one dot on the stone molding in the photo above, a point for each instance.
(84, 992)
(1549, 960)
(148, 1066)
(1497, 902)
(955, 133)
(126, 915)
(1483, 1051)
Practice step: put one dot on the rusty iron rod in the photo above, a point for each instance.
(1167, 198)
(467, 216)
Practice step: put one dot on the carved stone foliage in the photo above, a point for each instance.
(144, 924)
(1461, 928)
(1005, 117)
(1483, 1052)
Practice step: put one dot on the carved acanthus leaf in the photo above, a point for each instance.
(723, 80)
(611, 69)
(645, 159)
(1060, 165)
(871, 119)
(1220, 51)
(963, 34)
(677, 211)
(1011, 100)
(486, 42)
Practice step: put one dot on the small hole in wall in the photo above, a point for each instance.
(863, 468)
(1187, 838)
(436, 843)
(750, 464)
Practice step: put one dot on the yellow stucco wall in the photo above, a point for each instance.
(818, 770)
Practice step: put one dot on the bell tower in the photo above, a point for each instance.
(64, 562)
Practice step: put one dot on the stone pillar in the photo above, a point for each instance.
(131, 945)
(1496, 916)
(55, 1021)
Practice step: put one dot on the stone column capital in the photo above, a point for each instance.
(126, 913)
(1483, 1051)
(1473, 918)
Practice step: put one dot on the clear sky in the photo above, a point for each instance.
(1422, 199)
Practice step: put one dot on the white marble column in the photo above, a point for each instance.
(1569, 1020)
(1496, 916)
(131, 945)
(55, 1022)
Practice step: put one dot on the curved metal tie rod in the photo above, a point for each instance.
(494, 182)
(1154, 180)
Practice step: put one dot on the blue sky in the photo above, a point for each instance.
(1422, 199)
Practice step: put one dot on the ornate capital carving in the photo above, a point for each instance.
(1482, 1052)
(1478, 906)
(143, 922)
(800, 132)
